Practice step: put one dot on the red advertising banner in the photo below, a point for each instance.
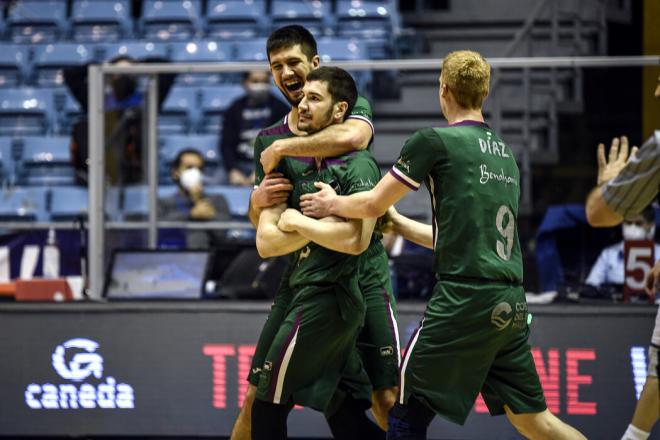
(638, 260)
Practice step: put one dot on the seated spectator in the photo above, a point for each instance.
(243, 120)
(123, 123)
(610, 265)
(190, 202)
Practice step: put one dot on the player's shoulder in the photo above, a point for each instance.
(278, 128)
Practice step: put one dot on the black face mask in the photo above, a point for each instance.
(123, 86)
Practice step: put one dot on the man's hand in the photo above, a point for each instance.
(652, 279)
(288, 220)
(609, 168)
(203, 210)
(318, 204)
(273, 190)
(271, 157)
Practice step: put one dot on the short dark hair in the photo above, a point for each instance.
(340, 85)
(288, 36)
(190, 150)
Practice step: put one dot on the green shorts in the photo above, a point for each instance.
(310, 350)
(473, 338)
(378, 342)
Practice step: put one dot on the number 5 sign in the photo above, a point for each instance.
(639, 258)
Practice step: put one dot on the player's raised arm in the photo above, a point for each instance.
(271, 241)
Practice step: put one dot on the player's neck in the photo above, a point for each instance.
(462, 114)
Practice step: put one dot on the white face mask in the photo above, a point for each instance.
(191, 178)
(634, 232)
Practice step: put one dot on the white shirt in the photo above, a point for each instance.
(609, 267)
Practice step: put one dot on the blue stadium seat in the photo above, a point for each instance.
(68, 203)
(171, 19)
(235, 19)
(135, 49)
(45, 160)
(135, 204)
(311, 14)
(238, 198)
(6, 161)
(201, 52)
(24, 204)
(51, 59)
(179, 111)
(68, 110)
(335, 49)
(215, 101)
(364, 18)
(207, 145)
(26, 111)
(37, 21)
(101, 20)
(14, 66)
(251, 50)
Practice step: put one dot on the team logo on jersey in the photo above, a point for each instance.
(501, 316)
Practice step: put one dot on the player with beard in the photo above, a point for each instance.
(293, 55)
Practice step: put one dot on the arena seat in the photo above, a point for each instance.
(14, 65)
(238, 198)
(37, 21)
(45, 160)
(135, 203)
(179, 111)
(139, 50)
(51, 59)
(24, 204)
(235, 19)
(201, 52)
(26, 111)
(251, 50)
(6, 161)
(215, 101)
(364, 18)
(206, 144)
(171, 20)
(312, 15)
(101, 20)
(68, 203)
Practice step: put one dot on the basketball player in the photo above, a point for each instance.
(473, 337)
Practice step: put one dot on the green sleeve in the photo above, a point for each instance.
(362, 110)
(258, 168)
(418, 156)
(362, 174)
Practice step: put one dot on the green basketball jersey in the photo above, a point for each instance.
(474, 183)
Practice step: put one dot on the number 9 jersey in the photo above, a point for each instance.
(474, 183)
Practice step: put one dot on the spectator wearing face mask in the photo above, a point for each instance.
(190, 203)
(123, 123)
(610, 266)
(243, 120)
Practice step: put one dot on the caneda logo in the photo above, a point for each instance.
(76, 360)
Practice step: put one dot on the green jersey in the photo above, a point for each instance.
(474, 183)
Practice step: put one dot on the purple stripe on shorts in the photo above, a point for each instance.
(391, 322)
(276, 370)
(400, 179)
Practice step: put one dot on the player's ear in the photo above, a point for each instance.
(340, 110)
(316, 61)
